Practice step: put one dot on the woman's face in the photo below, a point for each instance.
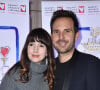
(37, 51)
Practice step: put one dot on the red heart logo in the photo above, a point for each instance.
(4, 51)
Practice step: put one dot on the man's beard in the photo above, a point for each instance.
(67, 49)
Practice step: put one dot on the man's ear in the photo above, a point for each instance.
(77, 35)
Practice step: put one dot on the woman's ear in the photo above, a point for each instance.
(46, 54)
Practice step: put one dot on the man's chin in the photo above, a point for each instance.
(62, 51)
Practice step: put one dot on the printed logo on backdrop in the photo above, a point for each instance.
(15, 8)
(91, 43)
(94, 9)
(2, 6)
(81, 9)
(23, 8)
(76, 9)
(49, 10)
(90, 9)
(12, 8)
(59, 8)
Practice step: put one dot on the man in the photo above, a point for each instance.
(74, 70)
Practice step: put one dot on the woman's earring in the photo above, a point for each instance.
(46, 60)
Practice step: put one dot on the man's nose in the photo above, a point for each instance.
(61, 35)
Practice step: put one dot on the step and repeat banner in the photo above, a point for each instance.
(14, 27)
(88, 13)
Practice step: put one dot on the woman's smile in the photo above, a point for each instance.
(36, 56)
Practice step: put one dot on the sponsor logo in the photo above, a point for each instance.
(2, 6)
(59, 8)
(93, 43)
(81, 9)
(23, 8)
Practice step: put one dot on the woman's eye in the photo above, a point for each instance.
(30, 44)
(41, 45)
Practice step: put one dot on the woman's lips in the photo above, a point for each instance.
(35, 55)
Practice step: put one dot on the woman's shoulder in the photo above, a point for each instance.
(13, 72)
(9, 80)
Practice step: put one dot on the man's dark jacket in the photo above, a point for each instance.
(84, 73)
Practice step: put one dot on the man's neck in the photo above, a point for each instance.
(64, 57)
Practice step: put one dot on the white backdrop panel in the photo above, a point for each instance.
(14, 27)
(88, 13)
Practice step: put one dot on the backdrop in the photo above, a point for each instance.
(14, 27)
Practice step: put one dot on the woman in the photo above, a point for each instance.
(35, 69)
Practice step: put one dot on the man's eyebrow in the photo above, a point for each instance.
(55, 29)
(68, 29)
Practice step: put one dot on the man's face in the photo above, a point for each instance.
(63, 35)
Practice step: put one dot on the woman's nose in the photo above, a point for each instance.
(35, 49)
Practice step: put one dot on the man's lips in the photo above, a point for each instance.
(62, 43)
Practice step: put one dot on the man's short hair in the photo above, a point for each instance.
(65, 13)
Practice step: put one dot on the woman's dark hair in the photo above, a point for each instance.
(65, 13)
(41, 35)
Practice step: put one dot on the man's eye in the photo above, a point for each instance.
(55, 32)
(67, 30)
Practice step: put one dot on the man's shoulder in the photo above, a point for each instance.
(88, 57)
